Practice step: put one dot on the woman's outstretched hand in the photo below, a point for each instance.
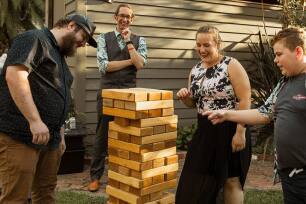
(215, 116)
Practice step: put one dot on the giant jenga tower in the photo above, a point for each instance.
(142, 146)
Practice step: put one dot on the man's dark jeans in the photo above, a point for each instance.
(294, 188)
(100, 145)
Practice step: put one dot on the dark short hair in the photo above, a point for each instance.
(123, 5)
(61, 23)
(291, 38)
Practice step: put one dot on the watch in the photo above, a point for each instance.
(128, 42)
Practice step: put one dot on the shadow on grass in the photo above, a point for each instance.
(251, 197)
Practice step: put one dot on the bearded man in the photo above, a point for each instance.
(34, 100)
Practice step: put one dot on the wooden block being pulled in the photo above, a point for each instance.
(154, 172)
(131, 130)
(122, 195)
(125, 113)
(148, 105)
(149, 122)
(124, 94)
(108, 102)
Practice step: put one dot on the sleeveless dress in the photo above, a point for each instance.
(209, 160)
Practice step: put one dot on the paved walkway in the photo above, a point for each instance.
(259, 177)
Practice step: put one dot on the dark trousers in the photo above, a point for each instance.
(100, 145)
(294, 188)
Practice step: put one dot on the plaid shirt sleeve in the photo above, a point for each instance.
(267, 109)
(102, 57)
(142, 49)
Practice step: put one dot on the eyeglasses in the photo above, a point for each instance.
(125, 16)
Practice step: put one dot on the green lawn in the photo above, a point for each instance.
(251, 197)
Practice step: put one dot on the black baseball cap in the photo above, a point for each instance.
(86, 25)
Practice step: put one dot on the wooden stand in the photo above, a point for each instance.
(142, 146)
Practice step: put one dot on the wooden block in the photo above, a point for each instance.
(168, 198)
(123, 170)
(145, 198)
(123, 154)
(119, 104)
(159, 129)
(131, 130)
(135, 191)
(167, 111)
(146, 148)
(122, 121)
(146, 165)
(154, 138)
(113, 134)
(113, 167)
(124, 137)
(159, 146)
(131, 181)
(136, 140)
(170, 143)
(113, 200)
(113, 183)
(125, 113)
(148, 105)
(136, 157)
(154, 96)
(167, 95)
(124, 94)
(108, 102)
(113, 151)
(149, 122)
(158, 187)
(158, 179)
(125, 196)
(171, 159)
(155, 113)
(147, 182)
(136, 174)
(158, 154)
(123, 202)
(157, 171)
(124, 187)
(156, 196)
(124, 162)
(171, 127)
(171, 175)
(158, 162)
(124, 145)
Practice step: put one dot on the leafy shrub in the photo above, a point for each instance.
(185, 135)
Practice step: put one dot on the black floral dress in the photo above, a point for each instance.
(209, 160)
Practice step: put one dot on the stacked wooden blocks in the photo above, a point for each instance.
(142, 145)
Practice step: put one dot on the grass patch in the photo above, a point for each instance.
(74, 197)
(253, 196)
